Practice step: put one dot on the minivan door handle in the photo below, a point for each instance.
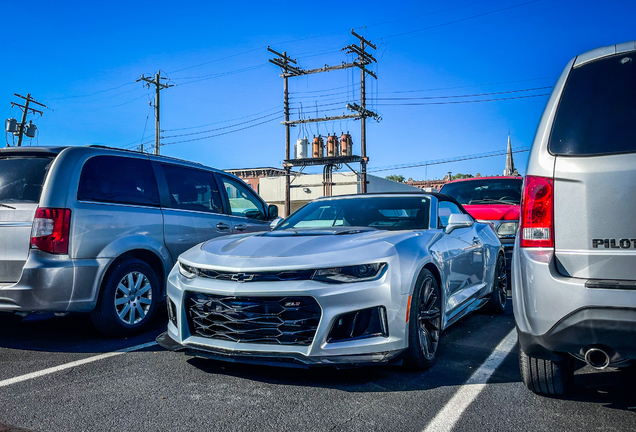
(222, 226)
(240, 227)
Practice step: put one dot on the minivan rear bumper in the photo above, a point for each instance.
(53, 283)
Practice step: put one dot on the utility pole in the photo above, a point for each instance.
(158, 87)
(284, 62)
(359, 112)
(364, 58)
(25, 110)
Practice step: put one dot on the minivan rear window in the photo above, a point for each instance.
(597, 112)
(116, 179)
(21, 178)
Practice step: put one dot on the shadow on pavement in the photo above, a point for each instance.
(71, 333)
(613, 388)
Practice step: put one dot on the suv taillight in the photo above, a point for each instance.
(537, 208)
(50, 230)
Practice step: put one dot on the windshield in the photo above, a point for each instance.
(487, 191)
(21, 178)
(384, 213)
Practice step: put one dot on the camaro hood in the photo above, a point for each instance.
(301, 248)
(493, 211)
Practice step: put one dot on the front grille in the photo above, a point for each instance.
(267, 320)
(276, 276)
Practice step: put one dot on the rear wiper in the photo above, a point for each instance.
(7, 206)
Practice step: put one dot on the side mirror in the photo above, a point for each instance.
(275, 223)
(456, 221)
(272, 212)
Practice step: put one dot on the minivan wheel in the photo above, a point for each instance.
(425, 323)
(127, 300)
(546, 377)
(499, 295)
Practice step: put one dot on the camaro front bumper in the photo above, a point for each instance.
(280, 359)
(320, 349)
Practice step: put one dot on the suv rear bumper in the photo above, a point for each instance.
(53, 283)
(613, 329)
(558, 315)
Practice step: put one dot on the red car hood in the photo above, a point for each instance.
(493, 211)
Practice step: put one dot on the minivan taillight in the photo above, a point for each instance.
(537, 208)
(50, 230)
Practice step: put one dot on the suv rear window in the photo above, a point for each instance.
(597, 112)
(21, 178)
(487, 191)
(122, 180)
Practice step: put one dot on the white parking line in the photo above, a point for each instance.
(48, 371)
(446, 419)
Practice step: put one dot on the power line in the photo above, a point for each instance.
(222, 121)
(467, 86)
(470, 95)
(224, 127)
(459, 20)
(224, 133)
(449, 160)
(462, 102)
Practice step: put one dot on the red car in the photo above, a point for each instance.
(491, 199)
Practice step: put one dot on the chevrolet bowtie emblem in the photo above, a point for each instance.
(242, 277)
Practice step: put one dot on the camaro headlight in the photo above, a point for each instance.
(187, 271)
(357, 273)
(507, 229)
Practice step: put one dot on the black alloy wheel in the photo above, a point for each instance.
(499, 295)
(425, 323)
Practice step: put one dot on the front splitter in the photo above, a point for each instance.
(279, 359)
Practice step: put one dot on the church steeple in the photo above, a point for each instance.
(510, 164)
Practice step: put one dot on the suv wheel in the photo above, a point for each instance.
(127, 300)
(546, 377)
(499, 295)
(425, 323)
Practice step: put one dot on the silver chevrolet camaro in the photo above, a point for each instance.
(343, 281)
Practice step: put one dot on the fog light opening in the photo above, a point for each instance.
(360, 324)
(172, 312)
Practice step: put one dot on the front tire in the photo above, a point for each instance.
(546, 377)
(425, 323)
(127, 300)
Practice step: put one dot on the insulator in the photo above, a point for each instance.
(11, 125)
(30, 130)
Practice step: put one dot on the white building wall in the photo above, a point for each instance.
(308, 187)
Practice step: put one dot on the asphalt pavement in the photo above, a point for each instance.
(59, 374)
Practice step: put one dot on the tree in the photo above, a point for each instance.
(461, 176)
(395, 177)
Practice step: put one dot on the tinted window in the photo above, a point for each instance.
(116, 179)
(597, 112)
(385, 213)
(487, 191)
(192, 189)
(444, 210)
(242, 201)
(21, 178)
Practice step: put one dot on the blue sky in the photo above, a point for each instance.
(82, 58)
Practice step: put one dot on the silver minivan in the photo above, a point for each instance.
(96, 229)
(574, 261)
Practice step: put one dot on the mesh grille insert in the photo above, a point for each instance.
(268, 320)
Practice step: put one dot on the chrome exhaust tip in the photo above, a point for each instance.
(597, 358)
